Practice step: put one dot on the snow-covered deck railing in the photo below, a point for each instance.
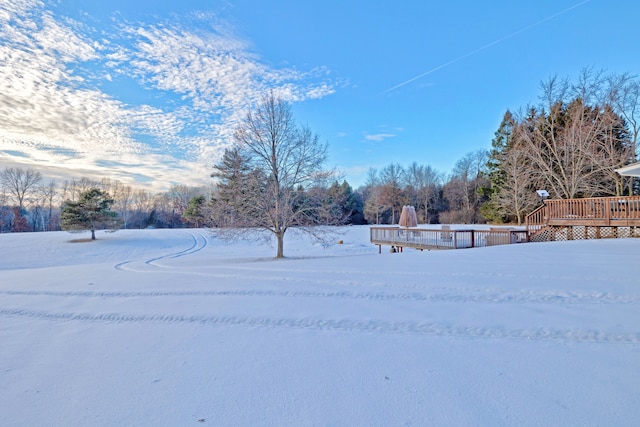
(623, 211)
(425, 238)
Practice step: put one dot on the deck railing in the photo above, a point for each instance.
(595, 211)
(422, 238)
(537, 220)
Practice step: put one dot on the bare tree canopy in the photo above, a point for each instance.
(575, 148)
(392, 195)
(462, 192)
(570, 144)
(19, 183)
(265, 179)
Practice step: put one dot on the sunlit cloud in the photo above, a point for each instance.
(216, 73)
(46, 110)
(56, 115)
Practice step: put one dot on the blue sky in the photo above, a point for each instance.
(147, 92)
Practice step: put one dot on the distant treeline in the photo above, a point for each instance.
(570, 144)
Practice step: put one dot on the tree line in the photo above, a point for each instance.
(28, 202)
(569, 143)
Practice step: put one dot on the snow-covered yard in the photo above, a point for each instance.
(177, 328)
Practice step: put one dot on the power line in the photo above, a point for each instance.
(473, 52)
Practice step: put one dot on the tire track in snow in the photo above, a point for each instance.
(492, 298)
(342, 325)
(199, 242)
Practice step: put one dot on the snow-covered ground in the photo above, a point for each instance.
(177, 328)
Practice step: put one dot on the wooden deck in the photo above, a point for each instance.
(585, 218)
(422, 238)
(573, 219)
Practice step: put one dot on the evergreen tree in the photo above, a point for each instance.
(353, 206)
(194, 213)
(237, 185)
(90, 212)
(500, 146)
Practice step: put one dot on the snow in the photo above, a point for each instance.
(179, 328)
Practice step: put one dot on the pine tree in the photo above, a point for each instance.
(194, 213)
(90, 212)
(500, 146)
(237, 185)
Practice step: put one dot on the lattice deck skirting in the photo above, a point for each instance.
(583, 232)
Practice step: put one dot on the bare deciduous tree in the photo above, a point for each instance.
(284, 159)
(373, 207)
(426, 182)
(180, 196)
(462, 190)
(516, 196)
(123, 196)
(391, 192)
(574, 147)
(48, 193)
(71, 189)
(142, 208)
(624, 96)
(19, 183)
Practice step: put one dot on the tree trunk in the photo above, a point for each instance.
(280, 237)
(93, 233)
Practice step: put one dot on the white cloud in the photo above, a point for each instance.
(218, 77)
(54, 114)
(40, 99)
(55, 39)
(379, 136)
(215, 70)
(10, 9)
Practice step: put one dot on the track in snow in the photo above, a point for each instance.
(199, 242)
(532, 297)
(343, 325)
